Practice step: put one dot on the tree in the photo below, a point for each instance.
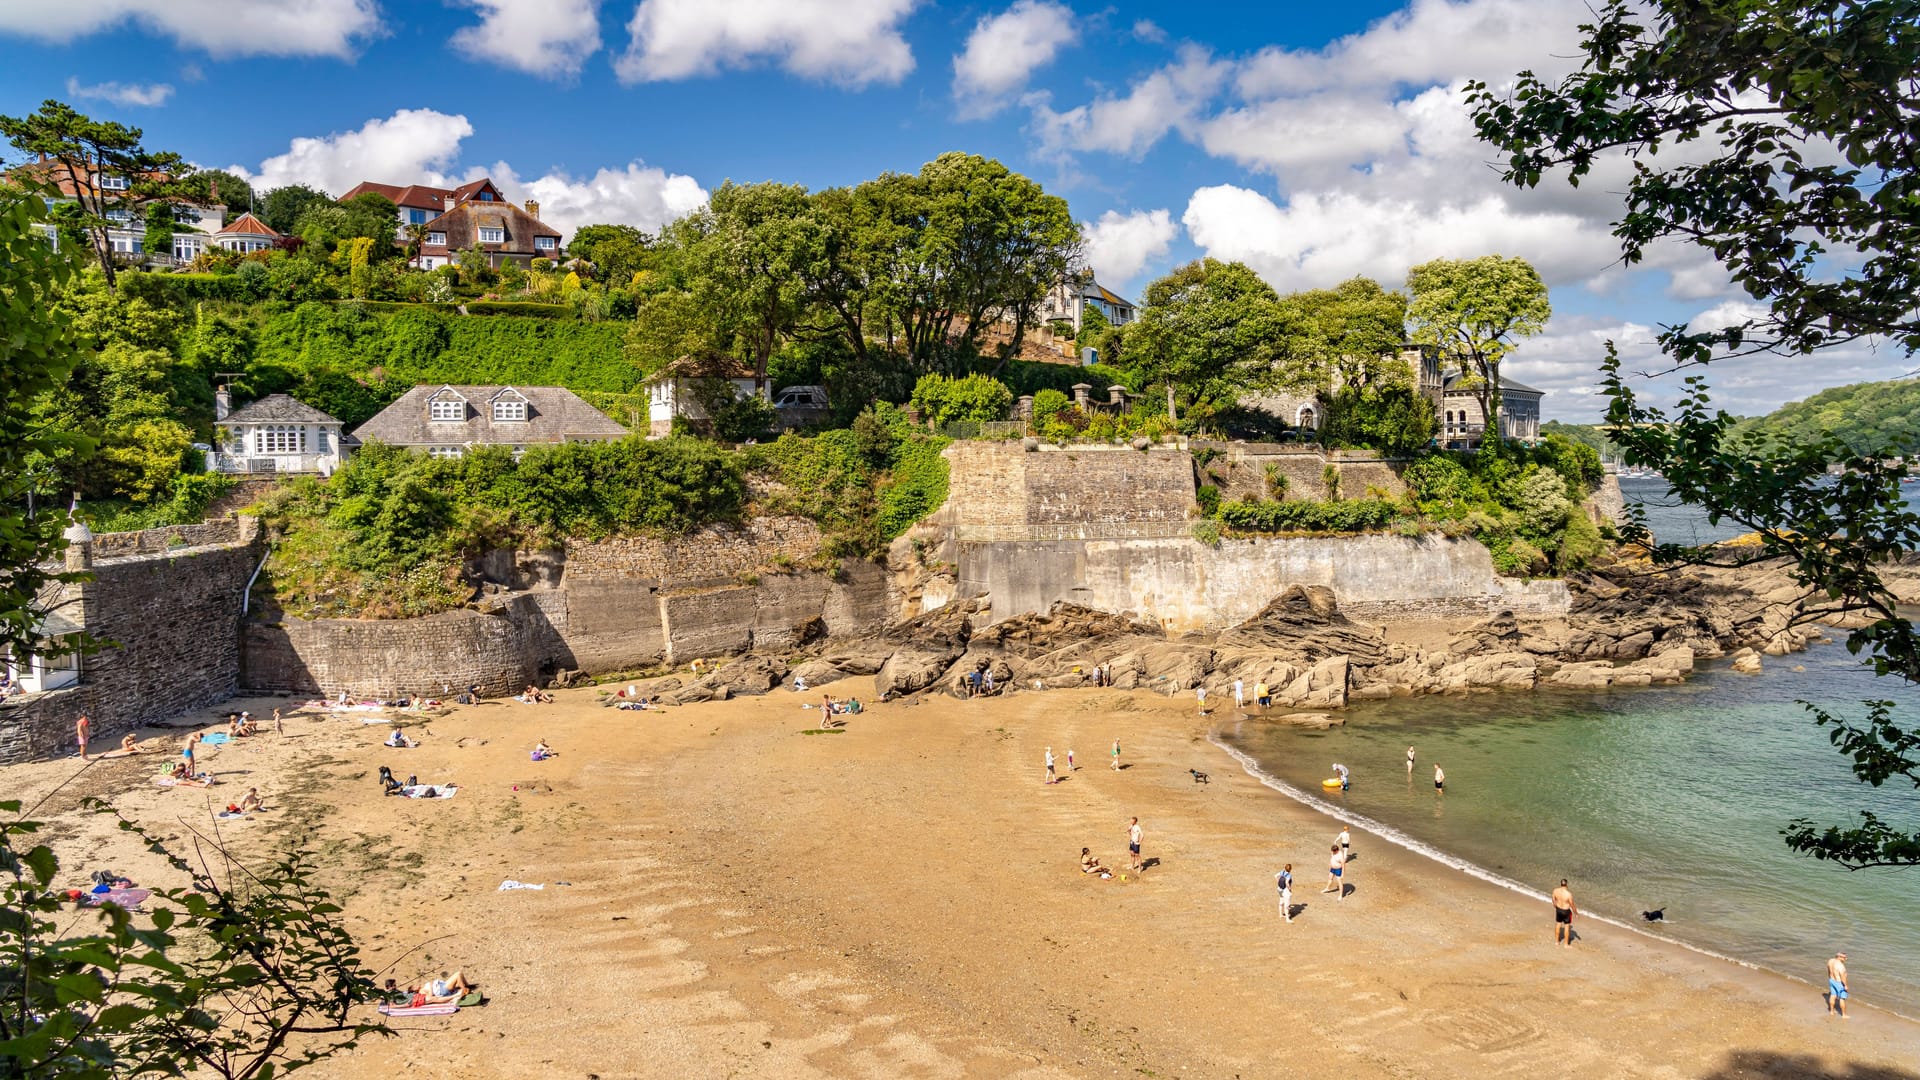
(281, 207)
(1394, 419)
(1472, 310)
(743, 264)
(1208, 332)
(1800, 179)
(158, 239)
(222, 188)
(373, 216)
(971, 398)
(616, 251)
(83, 156)
(38, 353)
(1349, 335)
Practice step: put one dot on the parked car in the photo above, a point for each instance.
(801, 397)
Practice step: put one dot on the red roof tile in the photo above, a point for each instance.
(248, 224)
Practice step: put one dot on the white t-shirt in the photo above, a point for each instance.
(1341, 771)
(1345, 840)
(1133, 835)
(1049, 759)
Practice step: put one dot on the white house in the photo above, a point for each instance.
(247, 233)
(1068, 301)
(276, 434)
(672, 391)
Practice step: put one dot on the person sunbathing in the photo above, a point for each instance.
(1089, 864)
(446, 989)
(178, 770)
(233, 726)
(127, 744)
(252, 802)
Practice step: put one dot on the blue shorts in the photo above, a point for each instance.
(1335, 871)
(1839, 992)
(1134, 848)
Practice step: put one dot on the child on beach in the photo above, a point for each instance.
(1284, 880)
(1049, 777)
(1116, 755)
(1070, 764)
(1336, 872)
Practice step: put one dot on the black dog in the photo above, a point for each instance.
(1656, 915)
(1200, 777)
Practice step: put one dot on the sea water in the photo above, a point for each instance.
(1674, 522)
(1657, 797)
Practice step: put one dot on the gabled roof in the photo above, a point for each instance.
(249, 225)
(1506, 386)
(473, 189)
(554, 414)
(463, 223)
(276, 409)
(419, 196)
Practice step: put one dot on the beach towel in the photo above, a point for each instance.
(512, 884)
(375, 720)
(231, 815)
(216, 738)
(126, 898)
(440, 791)
(419, 1010)
(170, 781)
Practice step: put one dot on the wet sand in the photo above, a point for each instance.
(904, 899)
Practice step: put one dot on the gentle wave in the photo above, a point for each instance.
(1419, 847)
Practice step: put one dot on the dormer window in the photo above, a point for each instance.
(546, 243)
(485, 196)
(510, 409)
(113, 183)
(492, 236)
(437, 238)
(447, 409)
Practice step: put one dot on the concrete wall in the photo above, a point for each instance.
(172, 617)
(613, 605)
(1185, 585)
(1001, 491)
(1240, 471)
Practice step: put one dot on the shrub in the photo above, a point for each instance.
(1048, 404)
(976, 398)
(1544, 505)
(1208, 497)
(1354, 515)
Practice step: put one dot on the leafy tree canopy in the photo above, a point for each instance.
(1473, 310)
(281, 207)
(1208, 331)
(1349, 335)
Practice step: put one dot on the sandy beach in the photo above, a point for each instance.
(727, 896)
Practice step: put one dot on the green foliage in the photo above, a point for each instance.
(1395, 420)
(214, 981)
(1208, 496)
(917, 486)
(1048, 404)
(1473, 310)
(282, 207)
(731, 415)
(1210, 330)
(1348, 336)
(1028, 377)
(970, 398)
(187, 500)
(1301, 515)
(518, 307)
(1865, 417)
(617, 252)
(1590, 435)
(1544, 505)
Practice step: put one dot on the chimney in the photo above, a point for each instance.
(222, 402)
(533, 207)
(79, 542)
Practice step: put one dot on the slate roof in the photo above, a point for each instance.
(1506, 385)
(275, 409)
(554, 414)
(421, 196)
(712, 365)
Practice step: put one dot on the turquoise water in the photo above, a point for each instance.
(1662, 796)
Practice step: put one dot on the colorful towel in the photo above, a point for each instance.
(419, 1010)
(440, 791)
(216, 738)
(126, 898)
(169, 781)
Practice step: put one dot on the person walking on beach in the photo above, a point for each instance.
(1439, 779)
(82, 728)
(1239, 694)
(1336, 874)
(1116, 755)
(1837, 985)
(1564, 910)
(1345, 840)
(1284, 879)
(1409, 761)
(1070, 765)
(1133, 843)
(1049, 765)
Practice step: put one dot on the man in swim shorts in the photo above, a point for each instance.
(1837, 985)
(1563, 912)
(1336, 872)
(1439, 779)
(1133, 841)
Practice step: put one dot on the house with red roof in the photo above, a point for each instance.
(196, 223)
(455, 219)
(247, 233)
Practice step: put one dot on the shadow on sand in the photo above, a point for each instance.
(1749, 1064)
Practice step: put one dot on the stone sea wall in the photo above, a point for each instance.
(172, 618)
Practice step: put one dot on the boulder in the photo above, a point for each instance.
(1065, 624)
(750, 675)
(1170, 666)
(1584, 675)
(1317, 720)
(1303, 625)
(1747, 662)
(1323, 686)
(1494, 671)
(910, 670)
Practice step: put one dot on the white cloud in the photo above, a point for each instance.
(221, 27)
(1169, 99)
(1005, 49)
(852, 42)
(411, 146)
(1320, 238)
(550, 38)
(1149, 31)
(638, 195)
(421, 146)
(1120, 245)
(122, 93)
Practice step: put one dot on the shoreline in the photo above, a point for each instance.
(1474, 870)
(903, 899)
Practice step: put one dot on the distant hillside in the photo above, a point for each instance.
(1865, 416)
(1593, 435)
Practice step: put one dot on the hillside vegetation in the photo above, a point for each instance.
(1875, 417)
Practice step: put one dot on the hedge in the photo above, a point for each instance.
(519, 307)
(1348, 516)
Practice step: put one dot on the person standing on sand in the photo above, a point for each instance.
(1409, 761)
(81, 729)
(1070, 765)
(1345, 840)
(1837, 985)
(1564, 910)
(1201, 693)
(1049, 776)
(1284, 879)
(1239, 694)
(1336, 874)
(1133, 843)
(279, 726)
(1260, 695)
(1116, 755)
(1439, 779)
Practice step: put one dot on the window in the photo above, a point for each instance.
(126, 245)
(119, 215)
(546, 243)
(492, 236)
(113, 183)
(447, 409)
(485, 196)
(186, 215)
(509, 410)
(280, 439)
(186, 248)
(438, 239)
(444, 451)
(415, 217)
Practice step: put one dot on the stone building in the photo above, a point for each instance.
(1460, 419)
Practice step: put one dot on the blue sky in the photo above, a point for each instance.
(1312, 141)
